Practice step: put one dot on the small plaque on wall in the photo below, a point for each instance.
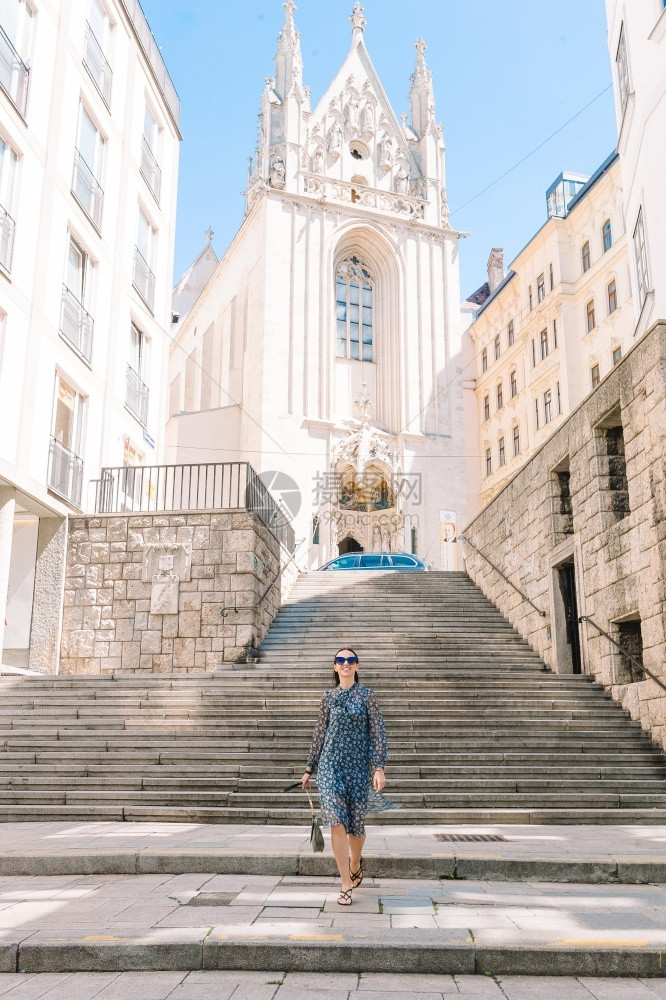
(164, 597)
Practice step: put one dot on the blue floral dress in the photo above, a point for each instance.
(349, 742)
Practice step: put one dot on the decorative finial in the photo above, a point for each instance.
(290, 7)
(209, 236)
(363, 403)
(421, 48)
(357, 19)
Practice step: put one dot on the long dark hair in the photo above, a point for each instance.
(336, 674)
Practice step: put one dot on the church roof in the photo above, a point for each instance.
(194, 280)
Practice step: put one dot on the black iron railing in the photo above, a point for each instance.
(97, 65)
(14, 74)
(504, 577)
(65, 472)
(207, 486)
(632, 659)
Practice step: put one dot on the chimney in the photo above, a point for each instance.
(495, 268)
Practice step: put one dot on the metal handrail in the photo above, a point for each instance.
(14, 74)
(137, 395)
(499, 572)
(87, 190)
(150, 169)
(143, 278)
(7, 230)
(152, 52)
(76, 323)
(637, 663)
(98, 65)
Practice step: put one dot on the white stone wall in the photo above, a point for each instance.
(569, 364)
(641, 121)
(620, 561)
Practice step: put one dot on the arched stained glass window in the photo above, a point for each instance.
(353, 310)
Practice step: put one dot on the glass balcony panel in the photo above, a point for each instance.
(76, 325)
(150, 169)
(143, 279)
(65, 475)
(87, 190)
(136, 398)
(14, 75)
(97, 65)
(7, 227)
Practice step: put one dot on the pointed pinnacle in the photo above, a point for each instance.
(358, 19)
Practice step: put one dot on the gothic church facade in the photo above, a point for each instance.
(326, 346)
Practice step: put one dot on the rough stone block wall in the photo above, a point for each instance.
(107, 619)
(619, 556)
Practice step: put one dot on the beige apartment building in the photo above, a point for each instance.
(551, 330)
(89, 147)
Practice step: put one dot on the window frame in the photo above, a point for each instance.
(486, 407)
(357, 275)
(616, 359)
(511, 331)
(501, 452)
(607, 235)
(541, 287)
(75, 447)
(489, 462)
(586, 257)
(622, 68)
(590, 316)
(516, 441)
(547, 406)
(544, 345)
(484, 360)
(497, 347)
(499, 395)
(595, 375)
(514, 383)
(611, 296)
(641, 257)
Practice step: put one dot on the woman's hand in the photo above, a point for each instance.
(305, 780)
(379, 780)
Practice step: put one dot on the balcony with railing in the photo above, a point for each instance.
(136, 397)
(143, 278)
(87, 190)
(7, 227)
(150, 169)
(97, 65)
(65, 475)
(154, 56)
(14, 75)
(76, 324)
(205, 487)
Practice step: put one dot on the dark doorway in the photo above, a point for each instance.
(349, 545)
(567, 577)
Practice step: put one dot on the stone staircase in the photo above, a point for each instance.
(479, 730)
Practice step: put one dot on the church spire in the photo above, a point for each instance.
(358, 20)
(422, 94)
(288, 61)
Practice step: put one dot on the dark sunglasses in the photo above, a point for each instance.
(346, 659)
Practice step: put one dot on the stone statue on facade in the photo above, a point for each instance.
(278, 173)
(352, 111)
(335, 140)
(386, 153)
(402, 178)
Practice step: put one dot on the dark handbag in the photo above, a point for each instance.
(316, 832)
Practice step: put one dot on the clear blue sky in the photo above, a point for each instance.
(506, 77)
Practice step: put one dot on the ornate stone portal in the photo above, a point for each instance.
(369, 508)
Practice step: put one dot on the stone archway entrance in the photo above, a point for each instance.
(349, 544)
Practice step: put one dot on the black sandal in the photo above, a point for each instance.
(357, 875)
(346, 896)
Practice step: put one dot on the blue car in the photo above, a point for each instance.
(375, 560)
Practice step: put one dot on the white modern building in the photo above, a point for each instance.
(325, 349)
(637, 41)
(550, 331)
(89, 146)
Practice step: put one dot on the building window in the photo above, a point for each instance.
(552, 278)
(543, 344)
(547, 407)
(595, 376)
(617, 356)
(136, 398)
(514, 385)
(486, 407)
(150, 168)
(516, 441)
(536, 414)
(612, 297)
(640, 249)
(8, 163)
(76, 323)
(144, 255)
(65, 475)
(97, 49)
(500, 396)
(88, 161)
(511, 332)
(622, 63)
(607, 235)
(533, 353)
(484, 360)
(16, 31)
(541, 288)
(590, 316)
(585, 255)
(489, 461)
(315, 530)
(132, 477)
(502, 453)
(531, 300)
(559, 399)
(354, 310)
(498, 347)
